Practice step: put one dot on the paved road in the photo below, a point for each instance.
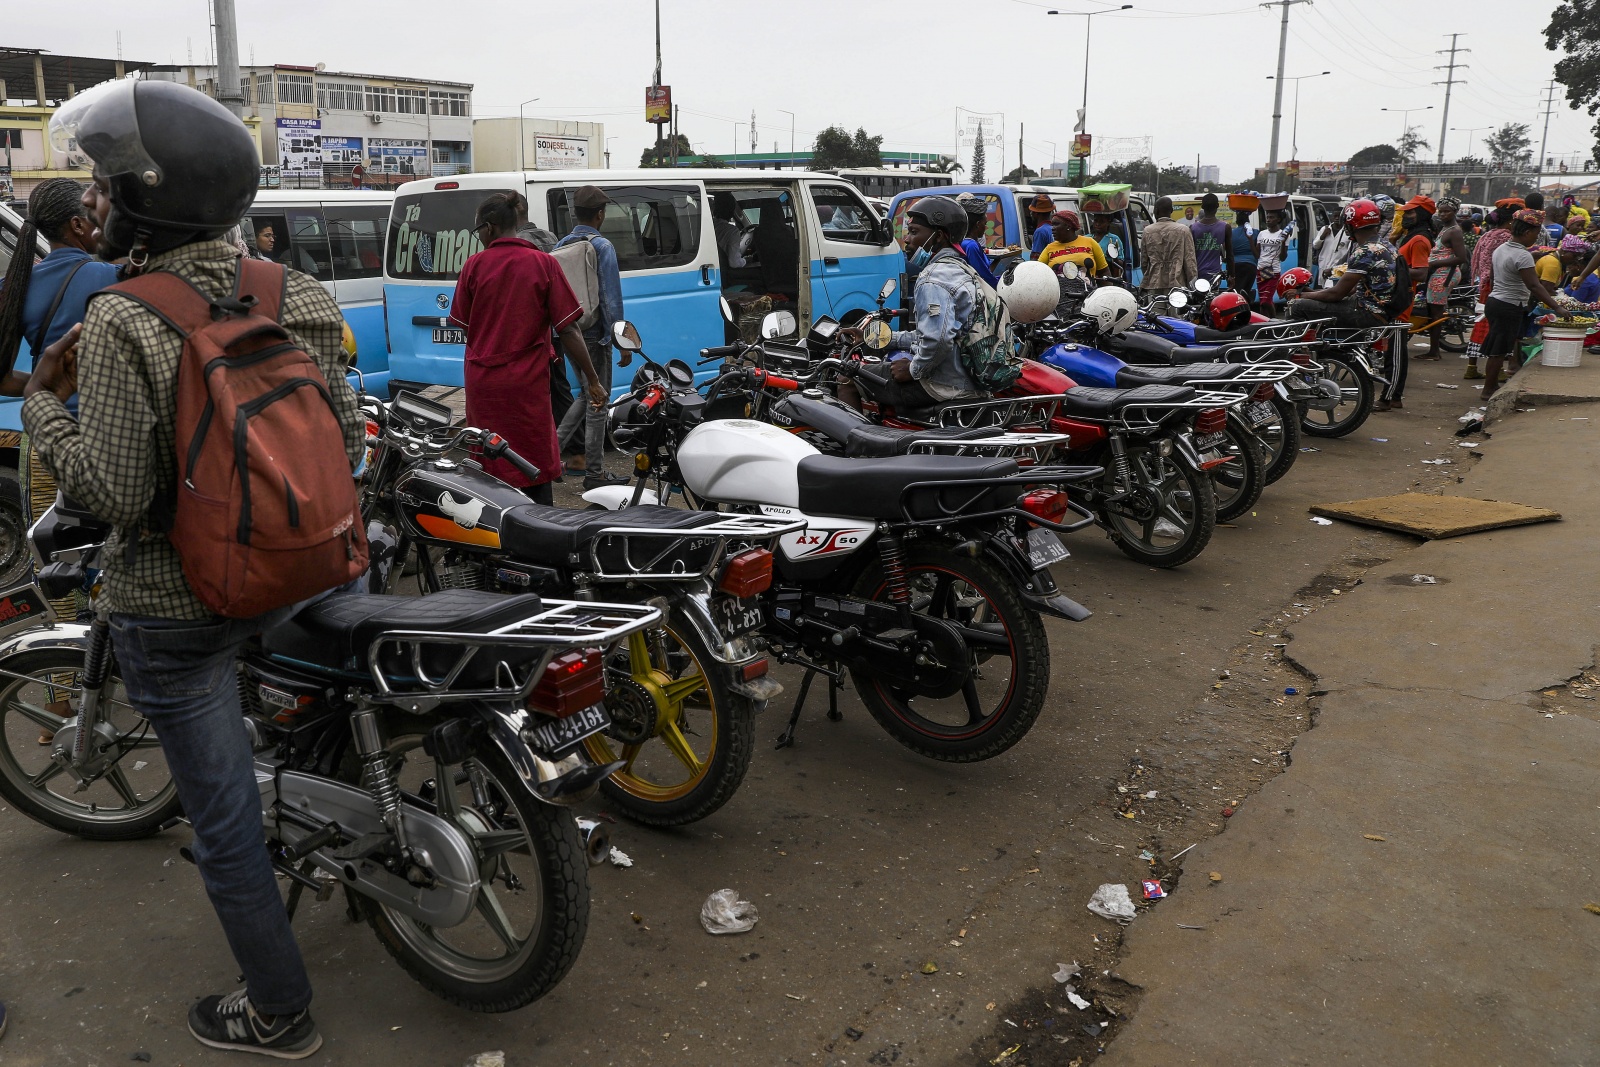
(866, 862)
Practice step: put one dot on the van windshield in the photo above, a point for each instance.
(431, 235)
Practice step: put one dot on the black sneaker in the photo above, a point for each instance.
(602, 479)
(231, 1022)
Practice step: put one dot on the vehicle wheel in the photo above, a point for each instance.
(16, 563)
(1456, 333)
(1355, 387)
(1169, 517)
(134, 794)
(1238, 484)
(1007, 649)
(685, 737)
(533, 902)
(1281, 439)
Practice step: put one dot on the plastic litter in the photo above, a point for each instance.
(487, 1059)
(1467, 444)
(1438, 462)
(139, 764)
(1111, 901)
(1381, 440)
(1308, 448)
(1186, 926)
(1424, 579)
(1290, 691)
(1164, 528)
(1442, 385)
(619, 858)
(724, 913)
(1066, 972)
(1320, 521)
(1153, 890)
(1008, 1053)
(1077, 1001)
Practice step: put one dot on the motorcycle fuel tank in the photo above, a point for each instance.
(447, 501)
(740, 461)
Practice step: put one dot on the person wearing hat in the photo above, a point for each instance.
(1070, 246)
(1040, 208)
(589, 208)
(977, 210)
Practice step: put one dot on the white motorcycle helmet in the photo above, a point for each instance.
(1030, 291)
(1113, 310)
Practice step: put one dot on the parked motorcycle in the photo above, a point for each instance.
(420, 752)
(682, 697)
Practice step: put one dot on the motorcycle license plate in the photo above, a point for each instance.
(1206, 441)
(1045, 548)
(553, 735)
(449, 335)
(1259, 412)
(736, 616)
(23, 607)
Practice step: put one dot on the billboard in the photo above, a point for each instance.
(1081, 143)
(396, 155)
(341, 149)
(658, 103)
(560, 153)
(300, 146)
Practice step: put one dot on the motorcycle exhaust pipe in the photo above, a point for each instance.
(596, 840)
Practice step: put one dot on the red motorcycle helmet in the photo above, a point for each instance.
(1293, 282)
(1229, 311)
(1359, 214)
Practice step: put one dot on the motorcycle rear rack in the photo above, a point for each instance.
(625, 554)
(1202, 400)
(1253, 374)
(1001, 446)
(1034, 477)
(1287, 330)
(559, 625)
(1002, 412)
(1346, 337)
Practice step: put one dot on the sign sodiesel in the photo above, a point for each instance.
(300, 146)
(560, 153)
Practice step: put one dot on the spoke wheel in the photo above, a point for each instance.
(1355, 404)
(533, 900)
(1237, 484)
(685, 738)
(1171, 514)
(1281, 439)
(15, 562)
(134, 793)
(1006, 649)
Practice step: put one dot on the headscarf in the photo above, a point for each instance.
(1449, 201)
(1065, 215)
(1576, 245)
(1529, 217)
(1512, 203)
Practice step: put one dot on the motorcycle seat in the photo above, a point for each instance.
(832, 419)
(1131, 377)
(1243, 333)
(336, 631)
(879, 442)
(873, 488)
(1096, 402)
(539, 533)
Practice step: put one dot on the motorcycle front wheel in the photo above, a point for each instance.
(133, 794)
(1168, 516)
(1281, 439)
(533, 901)
(1007, 650)
(1238, 483)
(1355, 400)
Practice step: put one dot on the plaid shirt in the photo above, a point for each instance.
(119, 454)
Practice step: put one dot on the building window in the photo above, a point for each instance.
(449, 104)
(263, 89)
(339, 96)
(295, 89)
(381, 98)
(412, 101)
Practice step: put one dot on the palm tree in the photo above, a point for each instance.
(942, 165)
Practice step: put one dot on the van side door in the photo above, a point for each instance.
(854, 254)
(355, 244)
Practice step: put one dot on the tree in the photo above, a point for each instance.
(942, 165)
(1020, 174)
(1409, 142)
(661, 155)
(1144, 174)
(1509, 146)
(1575, 29)
(978, 177)
(714, 162)
(1376, 155)
(836, 149)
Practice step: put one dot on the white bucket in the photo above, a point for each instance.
(1563, 346)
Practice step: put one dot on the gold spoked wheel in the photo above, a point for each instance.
(683, 736)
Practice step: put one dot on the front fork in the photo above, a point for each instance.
(83, 760)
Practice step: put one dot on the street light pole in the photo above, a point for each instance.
(1405, 122)
(1083, 112)
(613, 137)
(522, 136)
(791, 135)
(1277, 95)
(1469, 131)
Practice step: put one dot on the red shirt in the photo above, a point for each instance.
(510, 297)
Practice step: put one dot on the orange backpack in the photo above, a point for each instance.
(265, 512)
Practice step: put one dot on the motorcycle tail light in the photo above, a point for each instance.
(1301, 358)
(756, 668)
(571, 682)
(1264, 392)
(1047, 504)
(1212, 420)
(747, 574)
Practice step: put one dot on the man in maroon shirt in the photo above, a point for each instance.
(510, 297)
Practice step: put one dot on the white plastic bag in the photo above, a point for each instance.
(1111, 901)
(724, 913)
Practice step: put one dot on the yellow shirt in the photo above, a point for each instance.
(1084, 251)
(1548, 268)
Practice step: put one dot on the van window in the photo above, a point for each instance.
(651, 226)
(355, 237)
(298, 239)
(843, 215)
(431, 234)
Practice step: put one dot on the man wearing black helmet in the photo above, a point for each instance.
(924, 363)
(173, 172)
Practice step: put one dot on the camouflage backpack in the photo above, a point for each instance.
(988, 353)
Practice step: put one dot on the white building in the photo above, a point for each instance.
(318, 125)
(547, 144)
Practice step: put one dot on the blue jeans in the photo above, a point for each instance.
(180, 675)
(581, 413)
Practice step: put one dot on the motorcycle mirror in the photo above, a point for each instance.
(680, 374)
(727, 309)
(876, 335)
(625, 336)
(1070, 271)
(1202, 286)
(778, 324)
(886, 291)
(1178, 299)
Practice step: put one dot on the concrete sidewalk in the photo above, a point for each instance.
(1412, 889)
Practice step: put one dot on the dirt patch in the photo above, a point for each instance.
(1579, 695)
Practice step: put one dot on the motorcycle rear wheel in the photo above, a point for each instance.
(1168, 490)
(132, 799)
(1356, 389)
(543, 869)
(1238, 485)
(1000, 703)
(1282, 440)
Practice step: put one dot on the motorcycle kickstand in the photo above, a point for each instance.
(834, 714)
(786, 739)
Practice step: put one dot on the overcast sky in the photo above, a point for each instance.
(1191, 74)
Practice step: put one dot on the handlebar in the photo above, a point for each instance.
(711, 355)
(497, 447)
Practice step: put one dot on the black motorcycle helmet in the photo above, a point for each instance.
(941, 213)
(179, 165)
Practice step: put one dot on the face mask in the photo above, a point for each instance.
(920, 257)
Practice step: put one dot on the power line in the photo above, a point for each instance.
(1449, 83)
(1549, 106)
